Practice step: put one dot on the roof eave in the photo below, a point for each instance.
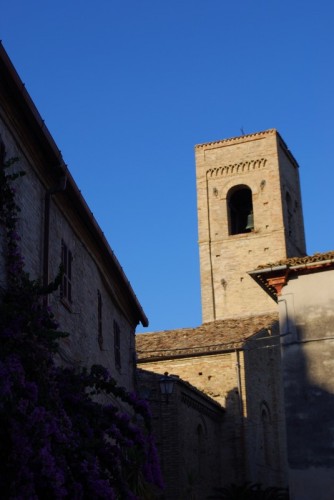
(57, 161)
(273, 278)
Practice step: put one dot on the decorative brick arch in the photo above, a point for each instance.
(237, 168)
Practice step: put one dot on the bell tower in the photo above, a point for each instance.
(249, 213)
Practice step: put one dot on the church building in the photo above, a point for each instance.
(249, 213)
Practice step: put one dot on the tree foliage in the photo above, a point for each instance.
(57, 439)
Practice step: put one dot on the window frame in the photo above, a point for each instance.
(117, 345)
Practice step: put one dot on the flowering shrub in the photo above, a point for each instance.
(57, 440)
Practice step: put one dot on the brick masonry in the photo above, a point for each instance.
(245, 380)
(234, 356)
(187, 429)
(263, 163)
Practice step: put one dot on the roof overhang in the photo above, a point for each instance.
(273, 278)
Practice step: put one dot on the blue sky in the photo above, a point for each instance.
(128, 87)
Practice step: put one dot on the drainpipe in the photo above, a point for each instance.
(210, 249)
(60, 187)
(241, 450)
(237, 365)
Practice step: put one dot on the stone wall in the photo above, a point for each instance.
(265, 435)
(187, 428)
(245, 382)
(89, 273)
(291, 202)
(307, 328)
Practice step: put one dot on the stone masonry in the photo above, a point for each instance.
(102, 310)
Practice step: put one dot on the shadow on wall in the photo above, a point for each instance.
(292, 406)
(265, 438)
(239, 485)
(309, 408)
(188, 433)
(308, 367)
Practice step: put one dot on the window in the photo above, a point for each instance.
(66, 260)
(117, 345)
(240, 210)
(99, 320)
(265, 423)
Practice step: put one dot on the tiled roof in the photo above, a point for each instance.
(239, 138)
(216, 336)
(273, 276)
(299, 261)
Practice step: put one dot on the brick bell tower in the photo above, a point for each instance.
(249, 213)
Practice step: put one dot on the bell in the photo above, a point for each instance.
(250, 222)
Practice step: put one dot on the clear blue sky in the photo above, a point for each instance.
(128, 87)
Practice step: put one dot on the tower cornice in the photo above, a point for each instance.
(235, 140)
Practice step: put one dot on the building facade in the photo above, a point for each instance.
(236, 363)
(95, 302)
(187, 425)
(304, 290)
(249, 212)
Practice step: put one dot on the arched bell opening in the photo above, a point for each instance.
(240, 210)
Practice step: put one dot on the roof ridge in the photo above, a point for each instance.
(208, 324)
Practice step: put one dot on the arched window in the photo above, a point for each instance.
(200, 449)
(266, 424)
(240, 210)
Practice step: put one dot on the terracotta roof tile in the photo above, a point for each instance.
(215, 336)
(296, 261)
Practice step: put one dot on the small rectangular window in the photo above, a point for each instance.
(117, 345)
(99, 320)
(66, 285)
